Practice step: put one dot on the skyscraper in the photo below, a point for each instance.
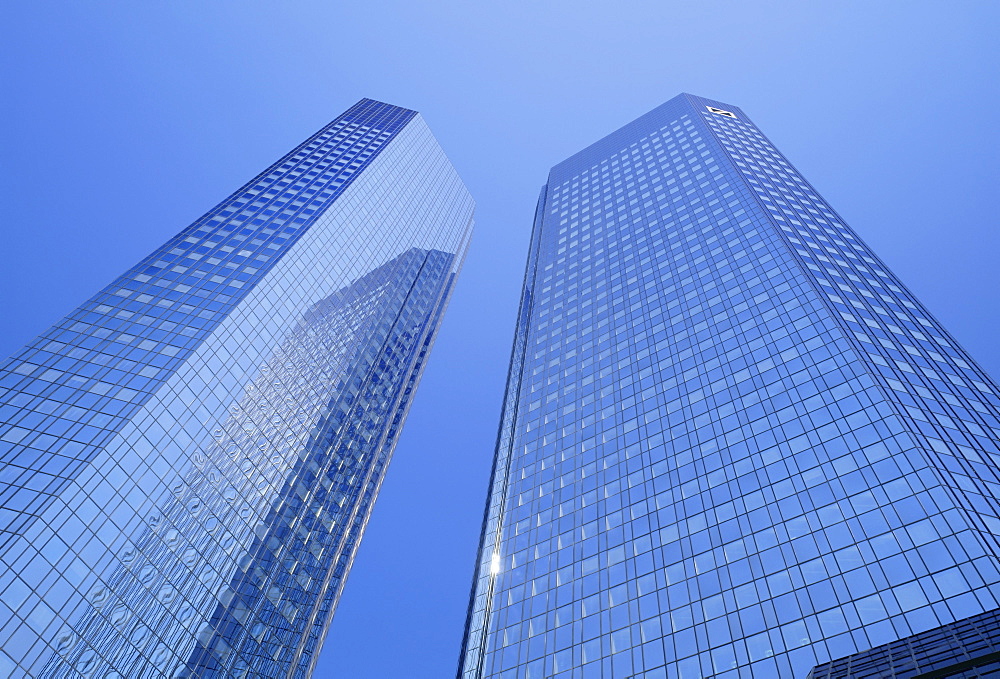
(732, 443)
(190, 458)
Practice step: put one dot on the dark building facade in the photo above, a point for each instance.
(965, 649)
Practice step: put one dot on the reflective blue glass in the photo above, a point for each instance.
(965, 649)
(190, 458)
(733, 444)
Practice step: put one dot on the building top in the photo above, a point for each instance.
(632, 133)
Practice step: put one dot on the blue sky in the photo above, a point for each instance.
(124, 121)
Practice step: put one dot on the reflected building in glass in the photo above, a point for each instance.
(733, 444)
(191, 457)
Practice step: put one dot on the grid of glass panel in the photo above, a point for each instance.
(733, 445)
(966, 649)
(190, 458)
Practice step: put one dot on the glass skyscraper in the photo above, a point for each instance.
(190, 458)
(733, 444)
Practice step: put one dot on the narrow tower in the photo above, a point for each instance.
(733, 444)
(190, 458)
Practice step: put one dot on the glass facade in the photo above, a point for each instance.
(966, 649)
(190, 458)
(733, 444)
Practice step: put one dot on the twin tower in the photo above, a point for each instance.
(733, 444)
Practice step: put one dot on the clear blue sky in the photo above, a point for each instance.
(124, 121)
